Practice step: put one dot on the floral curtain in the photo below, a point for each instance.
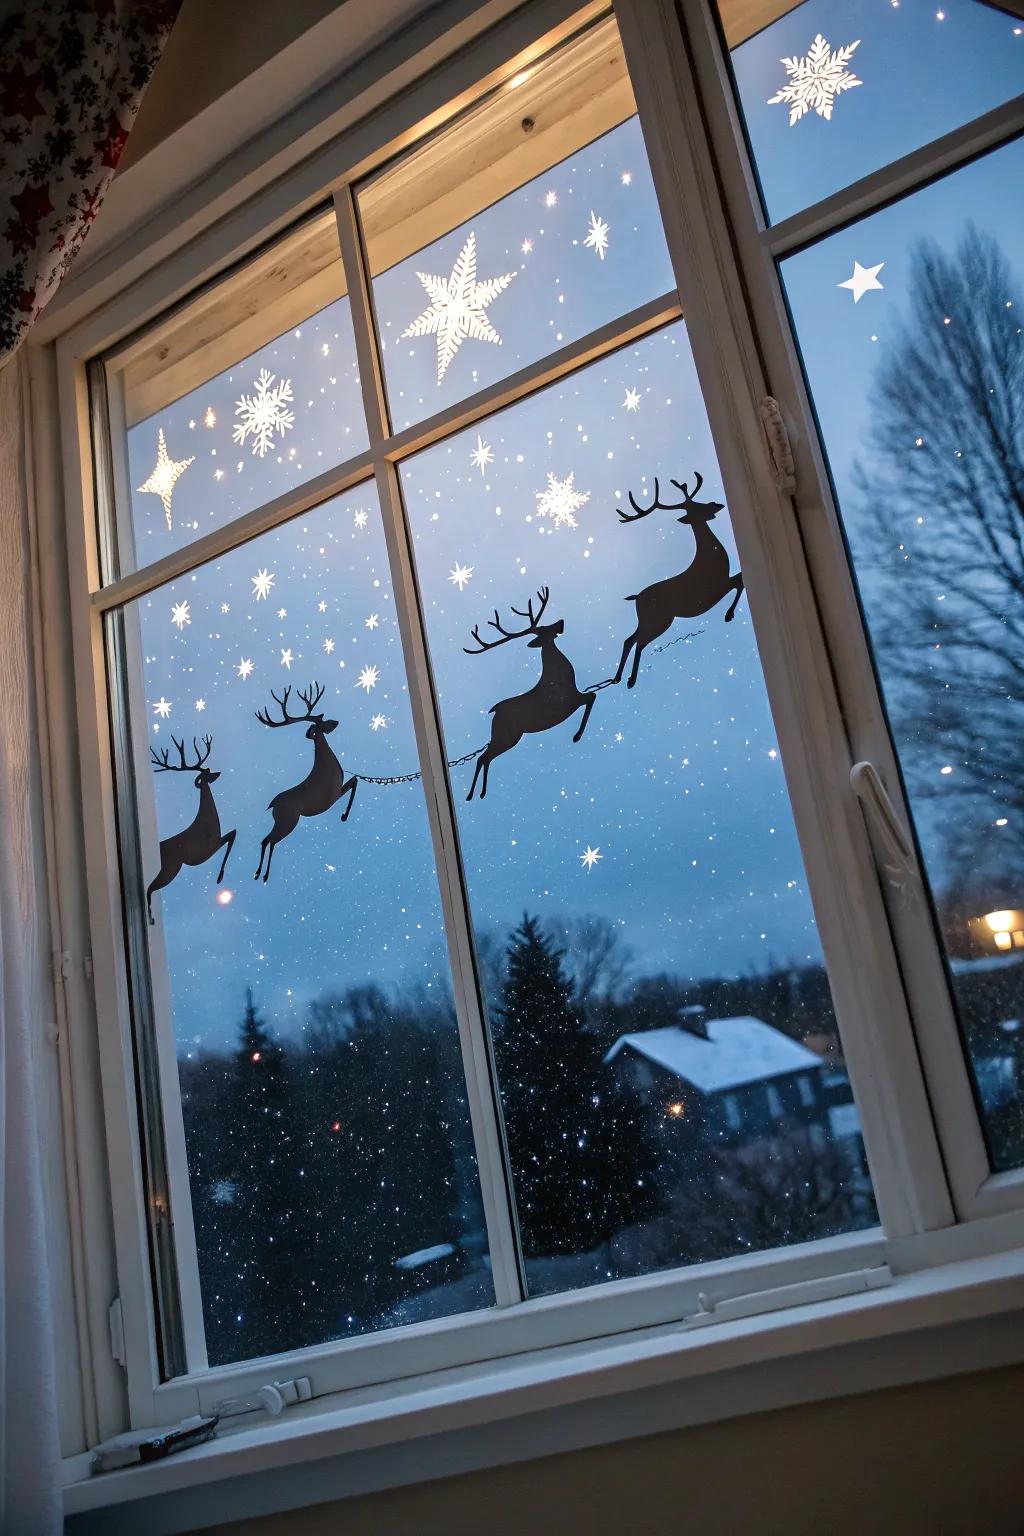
(72, 74)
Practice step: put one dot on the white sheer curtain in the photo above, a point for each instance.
(30, 1500)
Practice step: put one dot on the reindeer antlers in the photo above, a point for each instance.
(657, 505)
(507, 634)
(162, 763)
(310, 696)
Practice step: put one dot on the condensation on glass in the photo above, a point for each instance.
(922, 427)
(831, 90)
(242, 394)
(329, 1153)
(669, 1066)
(529, 223)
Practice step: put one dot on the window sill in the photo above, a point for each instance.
(964, 1315)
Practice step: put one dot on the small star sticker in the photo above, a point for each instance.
(180, 615)
(626, 178)
(550, 199)
(261, 584)
(590, 858)
(244, 667)
(360, 519)
(165, 474)
(209, 417)
(329, 646)
(368, 678)
(286, 659)
(526, 247)
(200, 705)
(619, 736)
(162, 708)
(322, 606)
(597, 238)
(225, 607)
(481, 455)
(862, 281)
(372, 621)
(282, 613)
(379, 723)
(460, 575)
(632, 400)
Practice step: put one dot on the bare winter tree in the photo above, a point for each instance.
(938, 535)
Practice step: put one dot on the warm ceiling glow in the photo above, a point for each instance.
(225, 898)
(1001, 922)
(521, 78)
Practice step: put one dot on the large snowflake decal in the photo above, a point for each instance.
(561, 501)
(457, 306)
(264, 413)
(817, 80)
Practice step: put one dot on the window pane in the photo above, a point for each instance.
(249, 390)
(835, 89)
(329, 1150)
(528, 224)
(648, 950)
(917, 387)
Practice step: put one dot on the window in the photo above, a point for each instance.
(486, 933)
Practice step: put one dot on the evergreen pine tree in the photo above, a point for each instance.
(580, 1157)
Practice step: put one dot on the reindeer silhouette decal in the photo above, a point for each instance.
(550, 701)
(203, 837)
(696, 590)
(324, 784)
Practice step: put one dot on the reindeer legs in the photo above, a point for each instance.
(229, 838)
(350, 784)
(589, 700)
(737, 583)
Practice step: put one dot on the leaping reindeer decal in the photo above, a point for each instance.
(323, 785)
(202, 838)
(550, 701)
(696, 590)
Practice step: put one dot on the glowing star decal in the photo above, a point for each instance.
(379, 723)
(200, 705)
(481, 455)
(626, 178)
(368, 678)
(360, 519)
(457, 306)
(816, 81)
(261, 584)
(282, 613)
(286, 659)
(180, 615)
(328, 646)
(460, 575)
(561, 501)
(162, 708)
(244, 668)
(265, 413)
(550, 199)
(863, 280)
(372, 620)
(632, 400)
(597, 238)
(526, 247)
(209, 417)
(590, 858)
(165, 475)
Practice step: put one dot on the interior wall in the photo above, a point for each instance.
(939, 1458)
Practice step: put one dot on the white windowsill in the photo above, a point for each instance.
(961, 1316)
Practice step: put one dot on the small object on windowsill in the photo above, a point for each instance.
(140, 1446)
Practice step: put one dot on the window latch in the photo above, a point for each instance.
(780, 450)
(801, 1294)
(899, 863)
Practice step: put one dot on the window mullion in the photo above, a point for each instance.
(487, 1131)
(877, 1037)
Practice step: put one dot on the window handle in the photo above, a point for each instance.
(780, 450)
(900, 864)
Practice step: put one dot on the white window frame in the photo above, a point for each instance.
(878, 1035)
(976, 1190)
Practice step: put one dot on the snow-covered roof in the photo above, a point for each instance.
(736, 1052)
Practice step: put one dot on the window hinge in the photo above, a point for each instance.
(779, 448)
(115, 1320)
(800, 1294)
(899, 864)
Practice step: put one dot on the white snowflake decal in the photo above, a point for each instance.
(261, 584)
(264, 413)
(368, 678)
(180, 615)
(481, 455)
(457, 306)
(597, 237)
(816, 81)
(223, 1191)
(379, 723)
(561, 501)
(460, 575)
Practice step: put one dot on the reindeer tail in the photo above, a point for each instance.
(632, 597)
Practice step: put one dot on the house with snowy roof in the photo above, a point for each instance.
(732, 1079)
